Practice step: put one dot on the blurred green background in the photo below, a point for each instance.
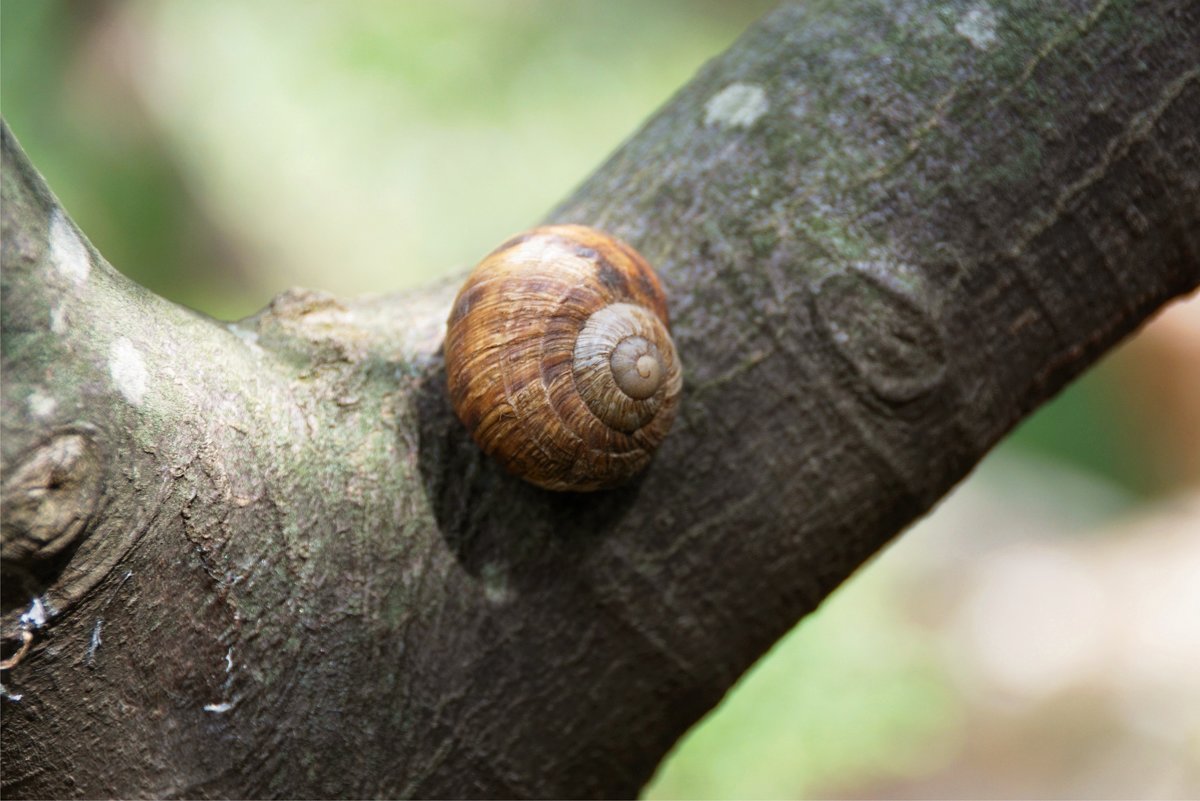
(219, 152)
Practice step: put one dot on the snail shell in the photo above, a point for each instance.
(559, 360)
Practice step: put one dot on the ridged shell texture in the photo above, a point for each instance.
(559, 360)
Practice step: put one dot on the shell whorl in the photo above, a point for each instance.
(618, 366)
(559, 359)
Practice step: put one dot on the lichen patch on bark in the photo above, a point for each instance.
(738, 105)
(978, 26)
(68, 254)
(127, 367)
(40, 405)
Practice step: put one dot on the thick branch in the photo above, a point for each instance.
(888, 231)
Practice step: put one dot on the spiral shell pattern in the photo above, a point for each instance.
(559, 360)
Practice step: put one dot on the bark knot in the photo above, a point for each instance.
(883, 333)
(49, 498)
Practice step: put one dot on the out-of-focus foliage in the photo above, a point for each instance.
(1021, 642)
(64, 92)
(854, 695)
(351, 147)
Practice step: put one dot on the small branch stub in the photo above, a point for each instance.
(48, 499)
(559, 359)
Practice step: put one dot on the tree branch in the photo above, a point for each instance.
(270, 562)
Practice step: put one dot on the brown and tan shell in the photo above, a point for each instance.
(559, 359)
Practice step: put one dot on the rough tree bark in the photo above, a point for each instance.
(269, 561)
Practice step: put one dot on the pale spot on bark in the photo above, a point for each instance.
(128, 370)
(94, 645)
(58, 319)
(979, 27)
(738, 105)
(245, 335)
(35, 616)
(67, 251)
(495, 584)
(41, 405)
